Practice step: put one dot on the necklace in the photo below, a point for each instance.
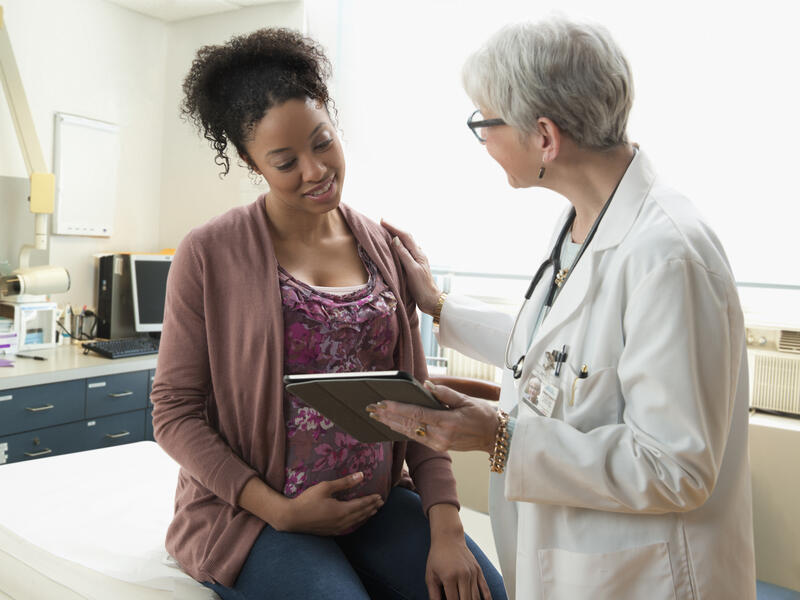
(561, 276)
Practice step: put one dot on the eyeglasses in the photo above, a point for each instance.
(477, 123)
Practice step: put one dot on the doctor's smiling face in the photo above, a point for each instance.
(295, 147)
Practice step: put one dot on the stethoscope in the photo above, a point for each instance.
(559, 277)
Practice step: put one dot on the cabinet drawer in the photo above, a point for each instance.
(116, 393)
(114, 430)
(50, 441)
(38, 406)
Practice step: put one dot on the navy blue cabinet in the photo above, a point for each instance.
(75, 415)
(61, 439)
(38, 406)
(114, 430)
(116, 393)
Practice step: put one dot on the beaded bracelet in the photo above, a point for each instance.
(499, 455)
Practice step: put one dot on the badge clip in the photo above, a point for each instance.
(560, 357)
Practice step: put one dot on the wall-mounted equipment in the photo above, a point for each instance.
(774, 363)
(28, 284)
(33, 283)
(43, 183)
(27, 287)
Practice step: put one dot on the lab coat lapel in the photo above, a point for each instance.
(620, 216)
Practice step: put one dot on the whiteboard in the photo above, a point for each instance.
(85, 163)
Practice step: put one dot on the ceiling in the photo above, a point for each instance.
(178, 10)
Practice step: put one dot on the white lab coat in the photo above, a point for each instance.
(641, 488)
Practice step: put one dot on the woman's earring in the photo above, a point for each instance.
(541, 171)
(256, 179)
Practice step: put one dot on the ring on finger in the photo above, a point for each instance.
(422, 430)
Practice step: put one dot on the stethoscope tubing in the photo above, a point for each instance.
(554, 260)
(551, 261)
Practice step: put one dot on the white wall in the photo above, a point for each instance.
(94, 59)
(98, 60)
(191, 189)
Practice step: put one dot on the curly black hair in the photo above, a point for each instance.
(231, 86)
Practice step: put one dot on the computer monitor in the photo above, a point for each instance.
(149, 287)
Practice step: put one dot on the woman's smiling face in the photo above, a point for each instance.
(295, 147)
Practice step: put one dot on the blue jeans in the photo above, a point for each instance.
(384, 558)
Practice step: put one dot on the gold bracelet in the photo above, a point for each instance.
(437, 310)
(499, 455)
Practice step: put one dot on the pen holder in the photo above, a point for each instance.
(76, 328)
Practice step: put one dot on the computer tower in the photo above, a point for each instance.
(114, 297)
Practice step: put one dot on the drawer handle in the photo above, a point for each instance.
(40, 453)
(40, 408)
(120, 394)
(116, 436)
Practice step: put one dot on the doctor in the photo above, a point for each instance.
(619, 449)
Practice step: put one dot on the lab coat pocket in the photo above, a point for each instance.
(630, 574)
(593, 401)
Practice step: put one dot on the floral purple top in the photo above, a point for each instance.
(326, 333)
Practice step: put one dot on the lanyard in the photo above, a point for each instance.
(560, 276)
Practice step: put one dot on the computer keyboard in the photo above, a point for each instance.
(123, 347)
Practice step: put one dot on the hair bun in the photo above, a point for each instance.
(231, 86)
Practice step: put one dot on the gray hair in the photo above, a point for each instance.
(572, 73)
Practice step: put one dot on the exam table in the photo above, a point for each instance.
(91, 525)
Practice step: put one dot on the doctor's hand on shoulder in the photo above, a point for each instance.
(468, 423)
(417, 269)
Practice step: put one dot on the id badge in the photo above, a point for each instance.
(541, 393)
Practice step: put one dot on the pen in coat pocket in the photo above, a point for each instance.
(582, 375)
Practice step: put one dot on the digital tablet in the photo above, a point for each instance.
(343, 398)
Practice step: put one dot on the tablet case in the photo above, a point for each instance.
(344, 401)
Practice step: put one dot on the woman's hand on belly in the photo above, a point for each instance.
(317, 511)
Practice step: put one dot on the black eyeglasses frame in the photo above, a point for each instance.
(475, 125)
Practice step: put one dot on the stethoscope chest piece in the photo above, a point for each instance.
(516, 370)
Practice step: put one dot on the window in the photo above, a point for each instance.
(715, 108)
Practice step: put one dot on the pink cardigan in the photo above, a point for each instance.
(218, 394)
